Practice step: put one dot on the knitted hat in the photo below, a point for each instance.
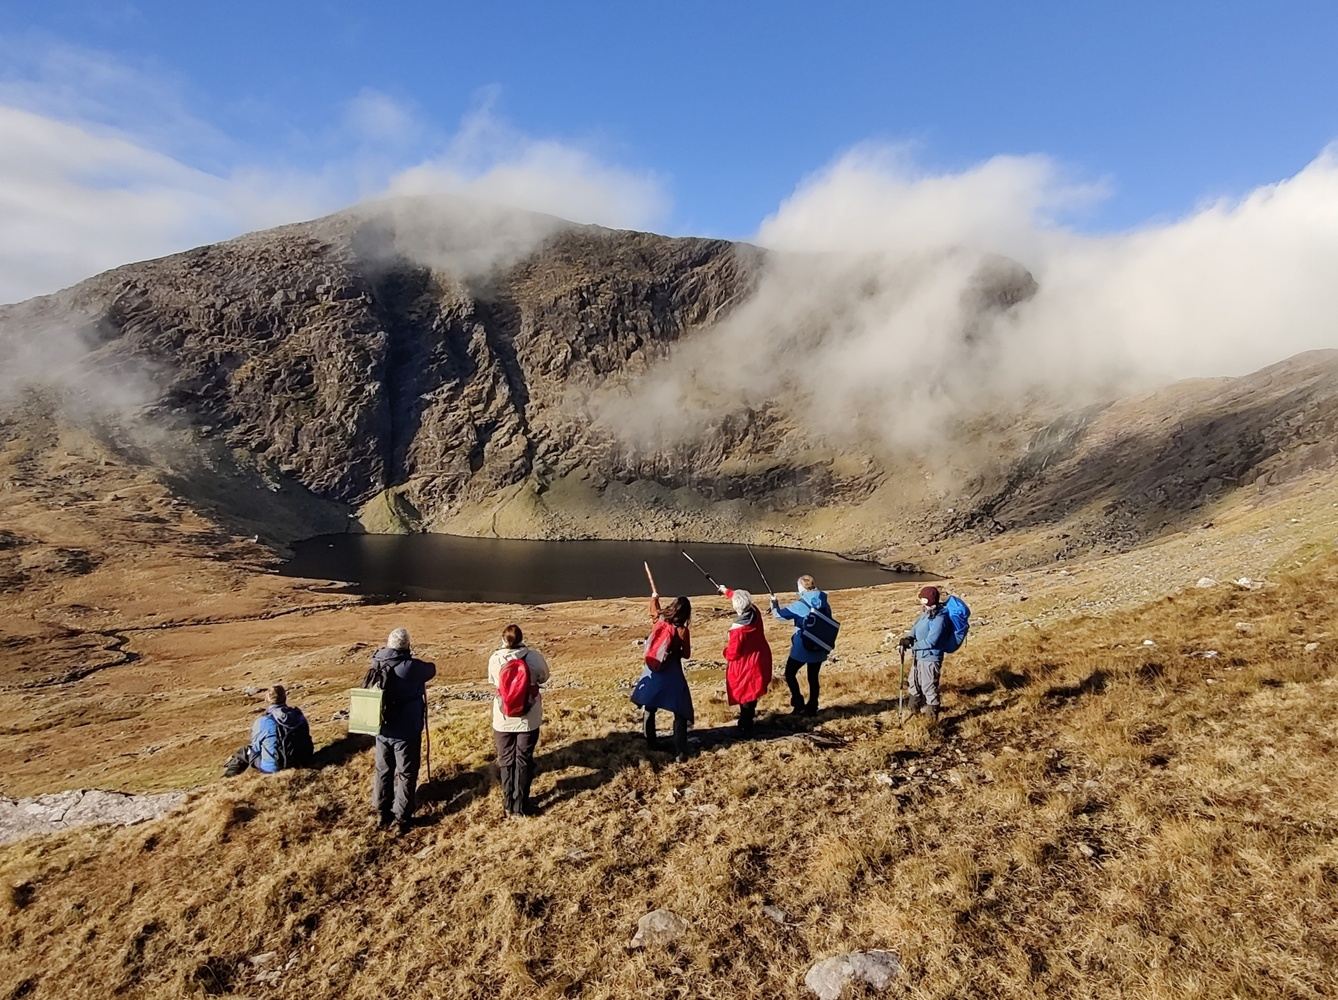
(930, 594)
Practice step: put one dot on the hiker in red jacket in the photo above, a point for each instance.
(747, 657)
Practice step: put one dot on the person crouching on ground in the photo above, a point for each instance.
(516, 672)
(280, 739)
(925, 640)
(810, 599)
(747, 657)
(399, 745)
(662, 684)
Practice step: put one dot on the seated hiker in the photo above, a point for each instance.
(747, 657)
(929, 637)
(662, 684)
(516, 672)
(280, 739)
(399, 745)
(803, 653)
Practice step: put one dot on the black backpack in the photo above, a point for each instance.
(292, 744)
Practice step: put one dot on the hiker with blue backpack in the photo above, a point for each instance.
(402, 679)
(814, 637)
(516, 671)
(941, 628)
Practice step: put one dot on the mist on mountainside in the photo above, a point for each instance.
(865, 328)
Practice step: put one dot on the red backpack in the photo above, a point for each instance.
(660, 644)
(515, 690)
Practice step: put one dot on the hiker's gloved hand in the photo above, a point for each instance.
(907, 641)
(774, 602)
(722, 588)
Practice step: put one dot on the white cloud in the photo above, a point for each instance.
(490, 161)
(863, 324)
(95, 171)
(372, 116)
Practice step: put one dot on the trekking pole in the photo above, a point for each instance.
(709, 578)
(901, 677)
(758, 568)
(650, 579)
(427, 739)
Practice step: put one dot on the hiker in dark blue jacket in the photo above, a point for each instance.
(810, 599)
(927, 639)
(399, 746)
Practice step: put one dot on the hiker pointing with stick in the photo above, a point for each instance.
(662, 684)
(747, 654)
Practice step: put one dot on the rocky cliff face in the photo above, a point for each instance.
(379, 361)
(335, 355)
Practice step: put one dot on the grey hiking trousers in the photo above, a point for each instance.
(396, 773)
(923, 680)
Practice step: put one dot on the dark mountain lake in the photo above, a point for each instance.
(434, 567)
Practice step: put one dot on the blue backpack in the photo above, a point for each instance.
(960, 616)
(818, 632)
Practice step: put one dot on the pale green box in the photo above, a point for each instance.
(364, 711)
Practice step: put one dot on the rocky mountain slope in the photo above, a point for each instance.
(376, 362)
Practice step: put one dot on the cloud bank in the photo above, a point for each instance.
(866, 328)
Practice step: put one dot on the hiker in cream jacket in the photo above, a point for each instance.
(516, 737)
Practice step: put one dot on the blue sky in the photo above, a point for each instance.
(721, 109)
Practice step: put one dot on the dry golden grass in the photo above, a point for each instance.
(1095, 818)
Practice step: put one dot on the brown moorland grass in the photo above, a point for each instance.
(1096, 817)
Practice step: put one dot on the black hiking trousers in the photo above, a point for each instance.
(792, 682)
(395, 777)
(680, 732)
(515, 759)
(747, 715)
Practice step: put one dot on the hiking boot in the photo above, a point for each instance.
(402, 826)
(810, 710)
(797, 709)
(931, 713)
(914, 704)
(382, 822)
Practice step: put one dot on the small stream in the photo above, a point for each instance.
(435, 567)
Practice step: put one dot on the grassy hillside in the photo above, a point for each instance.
(1096, 817)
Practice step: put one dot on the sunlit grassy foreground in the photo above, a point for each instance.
(1096, 818)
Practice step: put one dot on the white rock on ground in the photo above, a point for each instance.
(1205, 582)
(830, 977)
(659, 928)
(66, 810)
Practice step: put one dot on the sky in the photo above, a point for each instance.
(132, 129)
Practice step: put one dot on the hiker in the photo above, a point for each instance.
(803, 653)
(662, 684)
(516, 672)
(403, 682)
(747, 658)
(928, 639)
(280, 739)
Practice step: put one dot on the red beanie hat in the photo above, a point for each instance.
(930, 593)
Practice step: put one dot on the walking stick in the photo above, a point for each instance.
(427, 738)
(901, 677)
(653, 589)
(758, 568)
(709, 579)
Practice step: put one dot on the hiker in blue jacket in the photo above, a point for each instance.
(810, 599)
(929, 637)
(280, 739)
